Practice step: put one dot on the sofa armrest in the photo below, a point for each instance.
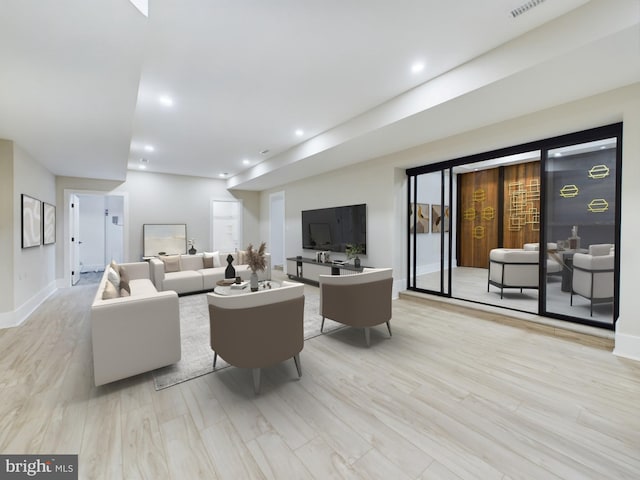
(157, 272)
(132, 335)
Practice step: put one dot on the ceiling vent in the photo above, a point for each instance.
(525, 7)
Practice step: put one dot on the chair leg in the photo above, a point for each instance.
(322, 324)
(215, 358)
(256, 380)
(389, 328)
(296, 359)
(367, 336)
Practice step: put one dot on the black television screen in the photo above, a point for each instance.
(333, 228)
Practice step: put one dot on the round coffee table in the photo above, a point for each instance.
(231, 290)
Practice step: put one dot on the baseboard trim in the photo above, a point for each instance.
(20, 314)
(627, 346)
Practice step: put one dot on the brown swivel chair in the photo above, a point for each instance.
(361, 300)
(258, 329)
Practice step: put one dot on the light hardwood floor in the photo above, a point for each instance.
(452, 395)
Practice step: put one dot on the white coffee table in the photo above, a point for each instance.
(227, 290)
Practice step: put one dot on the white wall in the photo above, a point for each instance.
(378, 183)
(30, 271)
(7, 199)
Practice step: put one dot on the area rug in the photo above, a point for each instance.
(197, 356)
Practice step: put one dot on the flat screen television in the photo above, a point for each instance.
(333, 228)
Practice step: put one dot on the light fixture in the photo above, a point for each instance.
(264, 152)
(222, 175)
(299, 132)
(149, 148)
(166, 100)
(557, 154)
(246, 162)
(417, 67)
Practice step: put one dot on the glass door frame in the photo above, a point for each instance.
(544, 145)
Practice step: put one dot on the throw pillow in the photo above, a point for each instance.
(124, 276)
(114, 265)
(171, 263)
(212, 260)
(114, 277)
(207, 260)
(599, 250)
(241, 257)
(124, 286)
(110, 291)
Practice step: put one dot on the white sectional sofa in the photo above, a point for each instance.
(135, 333)
(193, 273)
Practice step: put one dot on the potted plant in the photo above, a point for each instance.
(257, 262)
(352, 251)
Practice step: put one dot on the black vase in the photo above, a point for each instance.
(356, 262)
(192, 250)
(230, 272)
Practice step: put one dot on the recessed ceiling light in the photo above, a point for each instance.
(417, 67)
(166, 100)
(222, 175)
(142, 166)
(149, 148)
(299, 132)
(557, 154)
(246, 162)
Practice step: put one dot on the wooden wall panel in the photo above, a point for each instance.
(521, 202)
(478, 232)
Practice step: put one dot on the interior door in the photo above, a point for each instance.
(74, 217)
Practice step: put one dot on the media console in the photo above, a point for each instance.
(308, 270)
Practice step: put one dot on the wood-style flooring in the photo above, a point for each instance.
(453, 395)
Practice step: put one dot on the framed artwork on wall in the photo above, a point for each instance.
(48, 223)
(31, 221)
(421, 211)
(438, 220)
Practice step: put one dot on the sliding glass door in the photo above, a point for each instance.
(532, 227)
(430, 229)
(580, 230)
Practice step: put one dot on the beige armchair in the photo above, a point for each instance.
(593, 275)
(361, 300)
(258, 329)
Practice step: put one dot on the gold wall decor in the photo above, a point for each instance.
(488, 213)
(598, 205)
(569, 191)
(479, 195)
(599, 171)
(478, 232)
(523, 210)
(470, 213)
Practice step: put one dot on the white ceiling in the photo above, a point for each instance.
(80, 80)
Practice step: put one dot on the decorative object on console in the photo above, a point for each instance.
(256, 261)
(574, 239)
(192, 248)
(352, 251)
(230, 272)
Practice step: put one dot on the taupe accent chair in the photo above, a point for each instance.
(258, 329)
(362, 300)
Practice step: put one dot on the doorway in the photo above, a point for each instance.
(96, 233)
